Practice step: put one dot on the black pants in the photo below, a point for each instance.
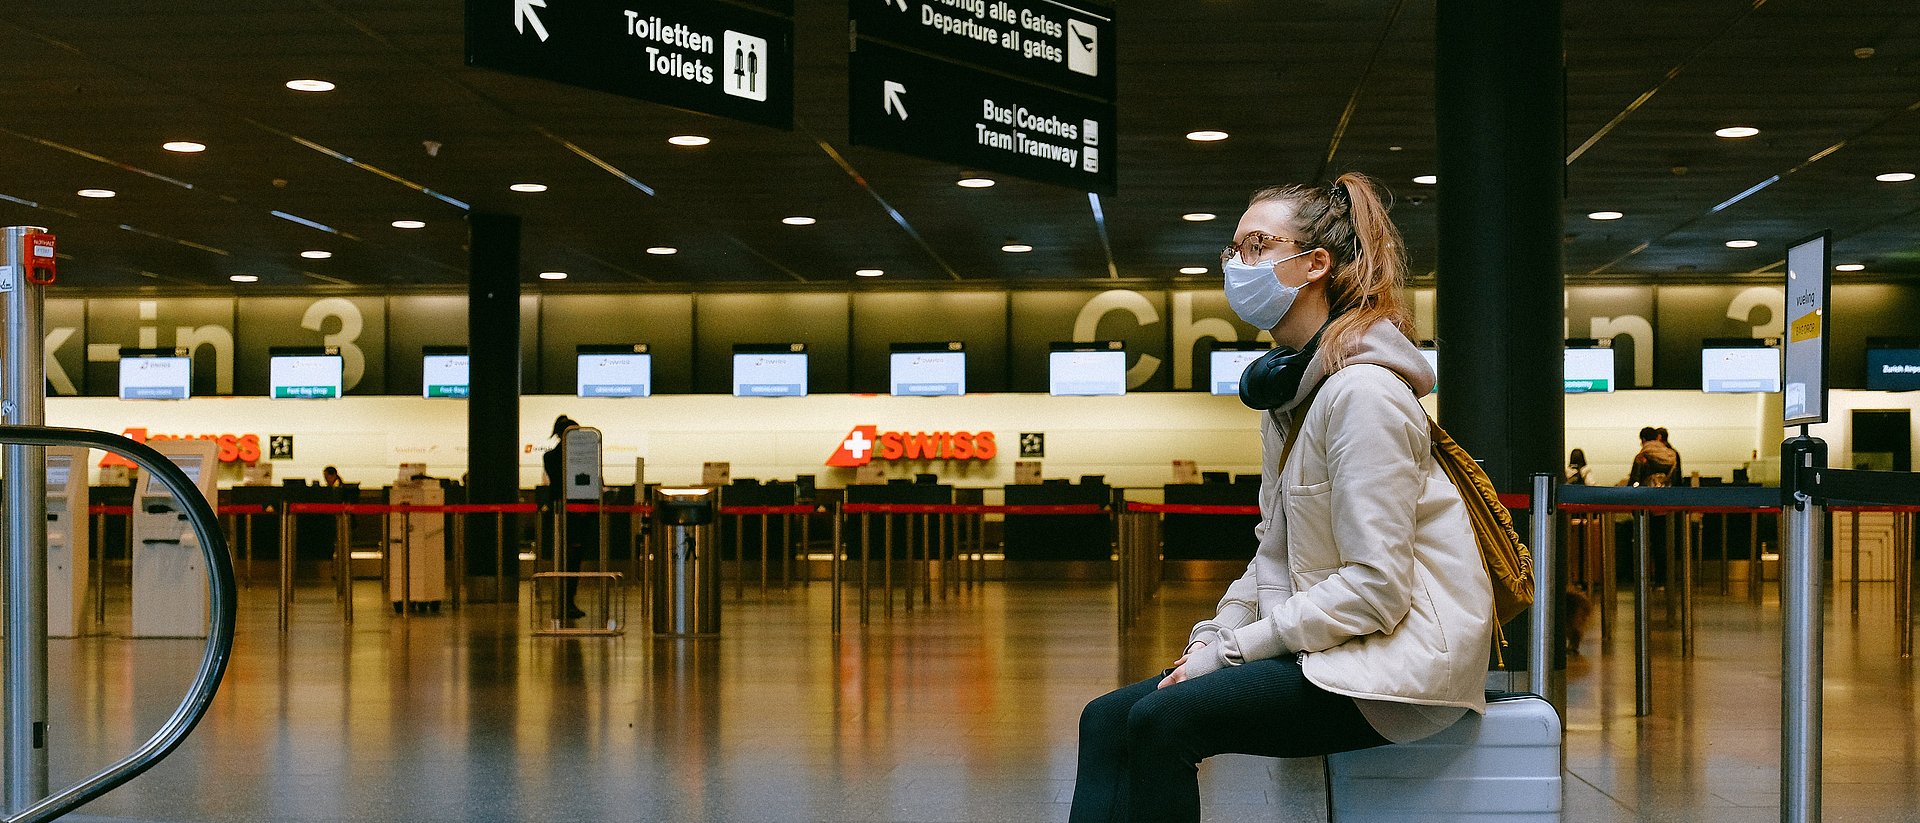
(1140, 746)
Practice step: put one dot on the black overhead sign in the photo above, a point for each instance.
(1068, 46)
(941, 111)
(1021, 87)
(700, 55)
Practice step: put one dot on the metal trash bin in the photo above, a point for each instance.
(686, 579)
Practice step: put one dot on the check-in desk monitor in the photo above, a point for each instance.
(1228, 361)
(1893, 364)
(623, 371)
(156, 378)
(169, 573)
(1087, 369)
(305, 376)
(1742, 366)
(444, 372)
(928, 369)
(1589, 370)
(770, 371)
(67, 540)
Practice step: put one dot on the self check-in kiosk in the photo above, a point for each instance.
(416, 542)
(169, 573)
(67, 540)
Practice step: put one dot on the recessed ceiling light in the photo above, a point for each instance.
(1850, 267)
(310, 85)
(184, 146)
(1206, 136)
(244, 278)
(1735, 132)
(1198, 216)
(869, 272)
(663, 250)
(1894, 177)
(316, 254)
(530, 188)
(689, 140)
(798, 221)
(96, 193)
(1427, 179)
(1396, 148)
(974, 182)
(1742, 244)
(409, 224)
(1604, 215)
(1016, 248)
(1194, 270)
(553, 275)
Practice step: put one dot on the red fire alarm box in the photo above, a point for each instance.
(39, 258)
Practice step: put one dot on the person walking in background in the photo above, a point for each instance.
(1365, 616)
(1653, 466)
(1577, 469)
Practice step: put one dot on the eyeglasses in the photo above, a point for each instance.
(1250, 247)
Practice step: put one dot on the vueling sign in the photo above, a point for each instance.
(865, 444)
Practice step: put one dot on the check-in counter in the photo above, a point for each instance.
(1211, 536)
(1058, 537)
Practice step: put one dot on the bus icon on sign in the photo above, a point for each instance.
(745, 65)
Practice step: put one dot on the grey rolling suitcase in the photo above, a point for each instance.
(1502, 767)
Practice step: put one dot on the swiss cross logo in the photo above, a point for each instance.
(866, 444)
(857, 448)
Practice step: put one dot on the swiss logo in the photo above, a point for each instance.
(865, 444)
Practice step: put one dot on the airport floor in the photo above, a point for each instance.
(964, 710)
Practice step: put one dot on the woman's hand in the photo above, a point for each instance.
(1179, 672)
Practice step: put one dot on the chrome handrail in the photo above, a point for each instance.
(223, 607)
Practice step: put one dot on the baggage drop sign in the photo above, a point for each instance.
(712, 58)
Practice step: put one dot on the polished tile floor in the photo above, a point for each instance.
(960, 711)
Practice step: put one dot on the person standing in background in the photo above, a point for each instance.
(1577, 469)
(330, 477)
(1678, 476)
(578, 525)
(1653, 466)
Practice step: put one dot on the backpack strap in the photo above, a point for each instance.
(1300, 415)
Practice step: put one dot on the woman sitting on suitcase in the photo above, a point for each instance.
(1365, 616)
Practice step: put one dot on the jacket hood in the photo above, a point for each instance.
(1383, 345)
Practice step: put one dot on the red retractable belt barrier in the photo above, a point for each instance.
(592, 508)
(933, 508)
(1596, 507)
(1190, 508)
(1517, 502)
(102, 508)
(794, 509)
(1887, 509)
(251, 508)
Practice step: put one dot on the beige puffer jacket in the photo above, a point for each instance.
(1367, 565)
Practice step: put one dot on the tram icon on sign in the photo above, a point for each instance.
(1083, 48)
(745, 66)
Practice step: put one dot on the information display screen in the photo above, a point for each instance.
(445, 375)
(1893, 369)
(624, 374)
(928, 373)
(1087, 373)
(1589, 370)
(769, 374)
(1225, 367)
(156, 378)
(1745, 369)
(304, 376)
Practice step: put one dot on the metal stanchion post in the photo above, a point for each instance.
(1687, 544)
(1853, 564)
(866, 539)
(926, 560)
(406, 566)
(1121, 576)
(763, 555)
(834, 549)
(98, 545)
(786, 549)
(1671, 572)
(286, 562)
(457, 589)
(343, 566)
(1756, 568)
(1903, 582)
(500, 559)
(1642, 592)
(886, 567)
(1609, 572)
(739, 558)
(1726, 578)
(1540, 652)
(1800, 659)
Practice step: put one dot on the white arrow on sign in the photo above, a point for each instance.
(523, 14)
(901, 3)
(890, 99)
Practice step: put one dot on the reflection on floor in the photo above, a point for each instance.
(961, 711)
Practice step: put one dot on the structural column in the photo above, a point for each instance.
(1499, 88)
(493, 400)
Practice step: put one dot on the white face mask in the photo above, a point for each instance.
(1256, 293)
